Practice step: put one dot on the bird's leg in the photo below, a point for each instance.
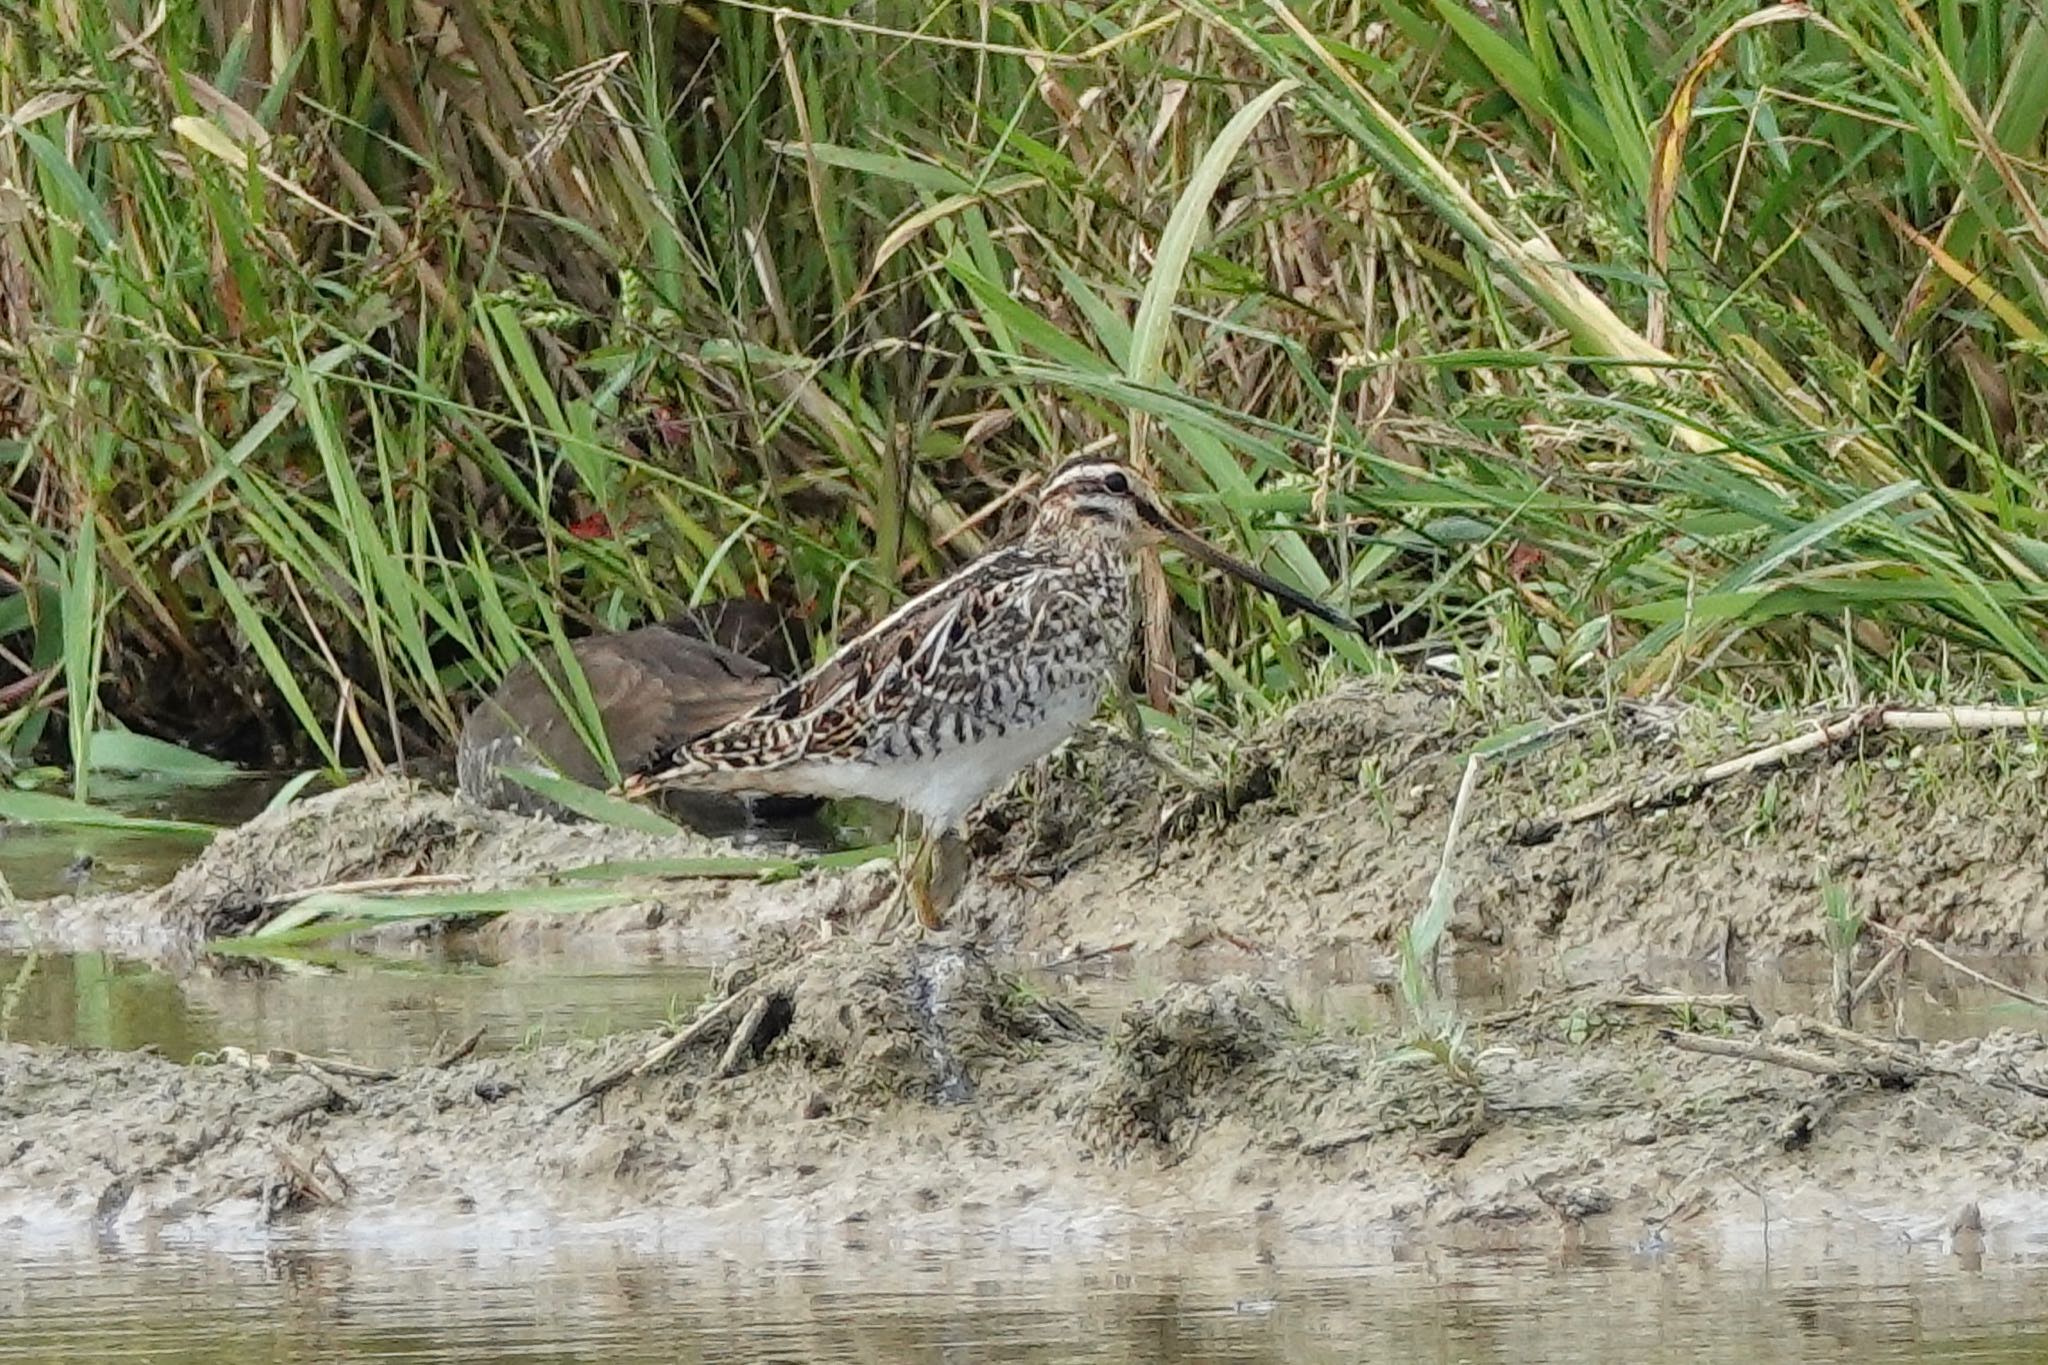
(917, 883)
(935, 875)
(930, 870)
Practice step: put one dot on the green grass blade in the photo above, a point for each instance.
(1183, 227)
(590, 803)
(257, 633)
(126, 751)
(45, 808)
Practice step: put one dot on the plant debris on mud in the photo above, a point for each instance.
(841, 1073)
(920, 1084)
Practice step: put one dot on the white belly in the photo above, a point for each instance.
(941, 789)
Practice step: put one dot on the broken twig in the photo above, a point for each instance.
(462, 1050)
(750, 1026)
(1688, 786)
(661, 1052)
(1680, 1000)
(335, 1066)
(1885, 1070)
(1917, 942)
(1875, 974)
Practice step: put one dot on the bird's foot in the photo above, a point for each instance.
(928, 881)
(938, 875)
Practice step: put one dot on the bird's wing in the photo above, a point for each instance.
(672, 687)
(927, 645)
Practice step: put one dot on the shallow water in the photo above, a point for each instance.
(395, 1010)
(421, 1292)
(56, 860)
(290, 1300)
(376, 1012)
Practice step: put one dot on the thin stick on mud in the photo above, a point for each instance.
(1875, 974)
(1876, 1068)
(324, 1098)
(462, 1050)
(619, 1075)
(1900, 936)
(343, 1095)
(1081, 955)
(333, 1065)
(1689, 786)
(411, 882)
(1912, 1060)
(1682, 1000)
(1883, 1047)
(743, 1036)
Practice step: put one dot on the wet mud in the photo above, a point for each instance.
(853, 1079)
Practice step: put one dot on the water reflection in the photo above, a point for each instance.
(378, 1012)
(1167, 1303)
(397, 1009)
(37, 861)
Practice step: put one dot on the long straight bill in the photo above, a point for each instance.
(1265, 582)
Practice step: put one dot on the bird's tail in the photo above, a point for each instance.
(678, 767)
(667, 768)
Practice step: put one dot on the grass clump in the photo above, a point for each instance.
(351, 355)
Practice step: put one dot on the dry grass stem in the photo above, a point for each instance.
(1916, 942)
(1689, 786)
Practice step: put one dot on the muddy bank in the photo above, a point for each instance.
(862, 1084)
(1328, 834)
(882, 1091)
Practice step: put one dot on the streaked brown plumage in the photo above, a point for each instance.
(969, 682)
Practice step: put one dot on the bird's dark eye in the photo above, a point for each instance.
(1117, 483)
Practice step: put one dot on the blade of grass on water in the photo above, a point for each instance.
(336, 912)
(45, 808)
(128, 752)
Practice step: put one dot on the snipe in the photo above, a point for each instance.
(971, 681)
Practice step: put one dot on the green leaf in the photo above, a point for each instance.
(332, 913)
(589, 802)
(1190, 215)
(259, 638)
(81, 608)
(45, 808)
(289, 792)
(128, 752)
(902, 169)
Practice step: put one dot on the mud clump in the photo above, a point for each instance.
(916, 1087)
(845, 1079)
(919, 1024)
(1230, 1065)
(1948, 837)
(1172, 1063)
(383, 832)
